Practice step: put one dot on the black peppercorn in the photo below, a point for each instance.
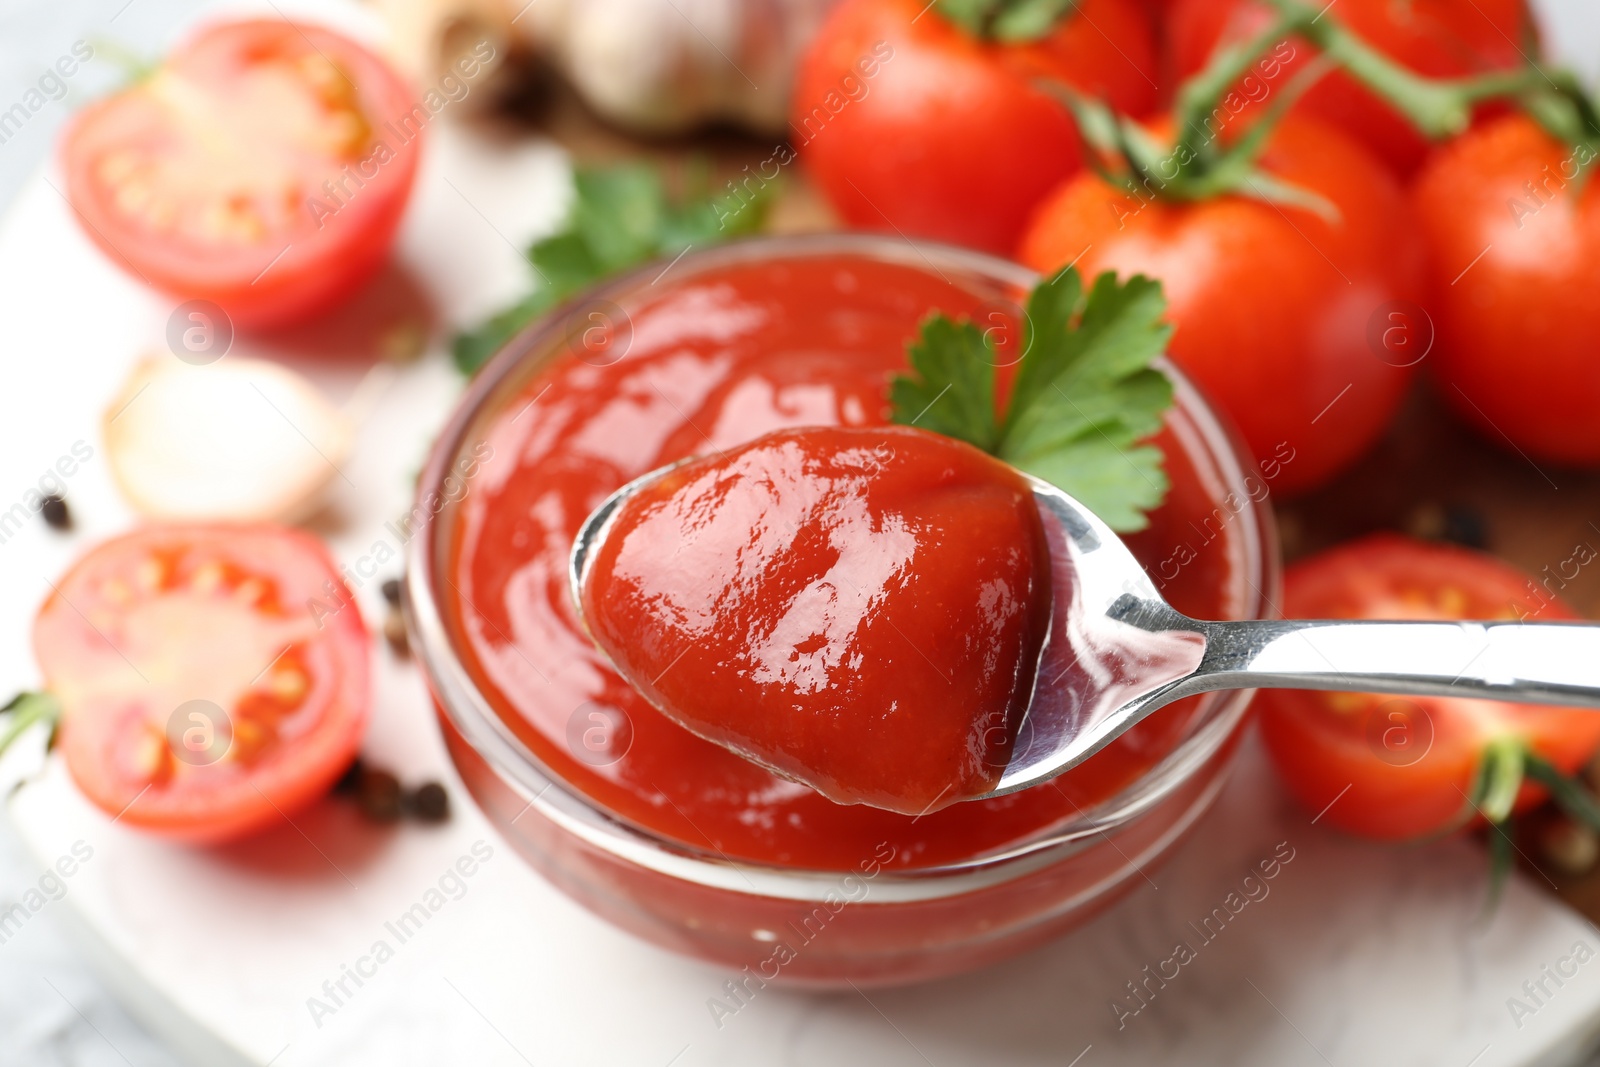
(1465, 526)
(349, 783)
(430, 803)
(55, 512)
(379, 796)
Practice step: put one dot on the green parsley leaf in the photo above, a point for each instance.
(620, 217)
(953, 392)
(1085, 397)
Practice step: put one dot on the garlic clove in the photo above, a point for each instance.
(240, 440)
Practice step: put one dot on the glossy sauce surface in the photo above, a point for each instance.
(859, 608)
(716, 360)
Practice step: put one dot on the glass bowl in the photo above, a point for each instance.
(871, 923)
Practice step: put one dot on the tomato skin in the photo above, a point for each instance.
(1271, 303)
(1516, 328)
(1438, 38)
(104, 705)
(1324, 743)
(949, 137)
(326, 254)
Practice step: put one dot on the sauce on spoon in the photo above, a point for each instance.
(859, 609)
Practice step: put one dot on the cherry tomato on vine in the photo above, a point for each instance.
(909, 123)
(1513, 236)
(264, 166)
(1272, 302)
(1404, 767)
(1437, 38)
(211, 680)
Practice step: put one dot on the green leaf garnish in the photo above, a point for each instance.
(953, 390)
(1085, 397)
(620, 217)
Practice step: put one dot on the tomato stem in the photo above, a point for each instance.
(1007, 21)
(1501, 861)
(1494, 795)
(1442, 107)
(1191, 168)
(1568, 793)
(1199, 97)
(26, 710)
(1499, 778)
(136, 67)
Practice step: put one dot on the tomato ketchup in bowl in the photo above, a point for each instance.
(673, 837)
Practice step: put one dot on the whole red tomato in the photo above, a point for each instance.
(1399, 768)
(911, 124)
(264, 166)
(1273, 303)
(1514, 251)
(1439, 38)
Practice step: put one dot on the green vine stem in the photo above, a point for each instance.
(1008, 21)
(1567, 792)
(1200, 96)
(25, 711)
(1500, 774)
(1494, 795)
(1198, 166)
(1192, 168)
(1442, 107)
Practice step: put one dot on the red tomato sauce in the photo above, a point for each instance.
(859, 608)
(711, 362)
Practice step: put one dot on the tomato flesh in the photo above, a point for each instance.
(1401, 768)
(213, 680)
(264, 167)
(859, 609)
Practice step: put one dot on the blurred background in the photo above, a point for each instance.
(70, 1019)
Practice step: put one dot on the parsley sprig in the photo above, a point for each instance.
(1085, 396)
(621, 216)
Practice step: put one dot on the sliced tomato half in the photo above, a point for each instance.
(1405, 767)
(264, 167)
(212, 680)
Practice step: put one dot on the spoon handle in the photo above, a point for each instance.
(1538, 663)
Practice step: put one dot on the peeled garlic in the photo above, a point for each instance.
(239, 440)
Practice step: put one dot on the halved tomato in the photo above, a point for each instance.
(264, 167)
(1405, 767)
(212, 680)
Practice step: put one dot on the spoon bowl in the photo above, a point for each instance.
(1117, 651)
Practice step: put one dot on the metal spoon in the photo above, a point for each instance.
(1117, 651)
